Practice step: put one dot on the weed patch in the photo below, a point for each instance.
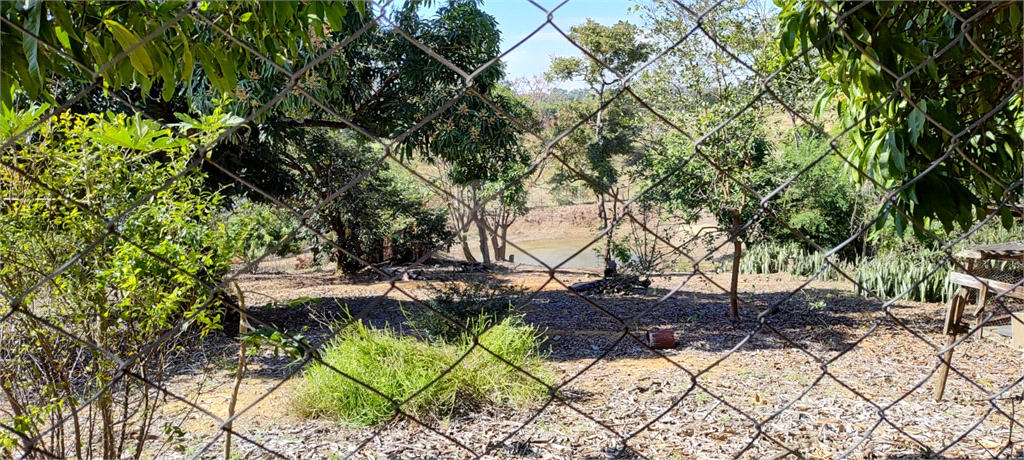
(411, 373)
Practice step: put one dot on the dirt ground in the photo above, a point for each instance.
(828, 374)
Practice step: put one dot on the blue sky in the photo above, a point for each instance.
(518, 18)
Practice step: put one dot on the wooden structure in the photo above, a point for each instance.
(976, 280)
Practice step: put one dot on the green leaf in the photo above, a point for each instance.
(916, 122)
(1006, 217)
(146, 83)
(896, 154)
(335, 14)
(168, 90)
(28, 41)
(126, 38)
(188, 63)
(933, 70)
(245, 17)
(63, 19)
(211, 65)
(230, 77)
(24, 78)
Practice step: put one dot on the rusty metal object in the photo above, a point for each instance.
(661, 339)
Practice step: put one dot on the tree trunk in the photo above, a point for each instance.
(466, 252)
(737, 253)
(484, 250)
(603, 214)
(480, 230)
(341, 234)
(504, 242)
(499, 246)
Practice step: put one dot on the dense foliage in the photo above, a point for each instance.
(74, 179)
(917, 84)
(819, 207)
(372, 216)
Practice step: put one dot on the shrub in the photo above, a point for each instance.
(251, 229)
(122, 293)
(399, 366)
(474, 303)
(790, 258)
(641, 247)
(820, 204)
(891, 274)
(887, 275)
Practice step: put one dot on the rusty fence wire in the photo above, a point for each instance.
(695, 416)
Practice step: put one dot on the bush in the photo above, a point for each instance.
(474, 303)
(790, 258)
(251, 229)
(123, 293)
(891, 274)
(821, 204)
(399, 366)
(641, 247)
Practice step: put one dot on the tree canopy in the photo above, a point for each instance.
(350, 63)
(931, 95)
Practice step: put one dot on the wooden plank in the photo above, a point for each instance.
(1017, 326)
(954, 312)
(940, 385)
(995, 288)
(1003, 251)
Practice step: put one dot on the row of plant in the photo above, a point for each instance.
(909, 270)
(885, 276)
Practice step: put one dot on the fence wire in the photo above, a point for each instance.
(782, 380)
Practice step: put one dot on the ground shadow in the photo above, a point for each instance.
(590, 326)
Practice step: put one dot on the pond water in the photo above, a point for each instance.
(551, 252)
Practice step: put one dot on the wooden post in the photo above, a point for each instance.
(954, 313)
(952, 327)
(979, 308)
(1017, 330)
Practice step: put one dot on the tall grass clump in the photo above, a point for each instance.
(398, 366)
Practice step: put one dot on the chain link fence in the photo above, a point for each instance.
(111, 269)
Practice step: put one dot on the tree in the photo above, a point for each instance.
(508, 204)
(717, 176)
(380, 82)
(821, 208)
(377, 219)
(699, 85)
(593, 157)
(76, 38)
(954, 72)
